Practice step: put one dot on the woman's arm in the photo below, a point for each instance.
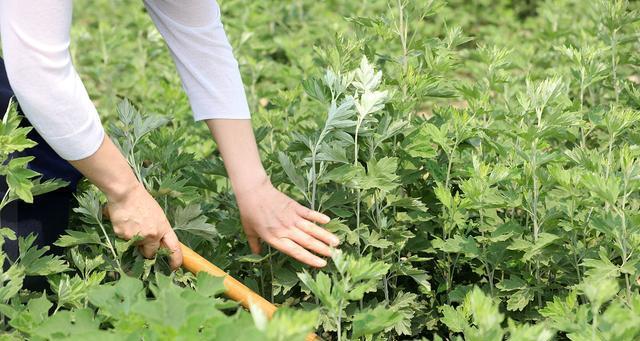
(35, 44)
(132, 210)
(267, 213)
(194, 33)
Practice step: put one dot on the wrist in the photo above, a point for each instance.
(109, 171)
(120, 190)
(242, 187)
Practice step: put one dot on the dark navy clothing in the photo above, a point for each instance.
(48, 216)
(5, 89)
(46, 162)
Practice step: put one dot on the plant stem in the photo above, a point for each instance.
(484, 262)
(358, 200)
(403, 33)
(612, 138)
(110, 245)
(449, 165)
(623, 217)
(339, 321)
(594, 322)
(5, 199)
(614, 63)
(489, 275)
(583, 140)
(358, 192)
(314, 182)
(271, 270)
(262, 288)
(449, 270)
(574, 241)
(385, 279)
(534, 207)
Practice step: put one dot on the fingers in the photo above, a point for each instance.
(170, 240)
(254, 244)
(139, 214)
(309, 243)
(296, 251)
(312, 215)
(318, 232)
(148, 248)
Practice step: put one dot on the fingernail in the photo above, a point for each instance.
(326, 218)
(335, 241)
(321, 263)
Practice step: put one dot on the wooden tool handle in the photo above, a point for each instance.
(236, 291)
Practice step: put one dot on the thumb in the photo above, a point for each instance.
(254, 244)
(149, 248)
(170, 240)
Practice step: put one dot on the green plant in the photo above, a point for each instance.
(21, 182)
(481, 173)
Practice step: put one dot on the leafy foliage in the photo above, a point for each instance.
(482, 175)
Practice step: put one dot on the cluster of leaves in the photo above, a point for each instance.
(477, 161)
(104, 288)
(484, 188)
(160, 311)
(19, 182)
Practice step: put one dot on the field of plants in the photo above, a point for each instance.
(480, 161)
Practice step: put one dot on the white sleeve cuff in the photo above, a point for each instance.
(205, 108)
(80, 144)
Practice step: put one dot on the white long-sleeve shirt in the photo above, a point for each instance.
(35, 42)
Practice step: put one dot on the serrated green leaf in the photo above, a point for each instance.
(372, 321)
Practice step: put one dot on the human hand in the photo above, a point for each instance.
(270, 215)
(137, 213)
